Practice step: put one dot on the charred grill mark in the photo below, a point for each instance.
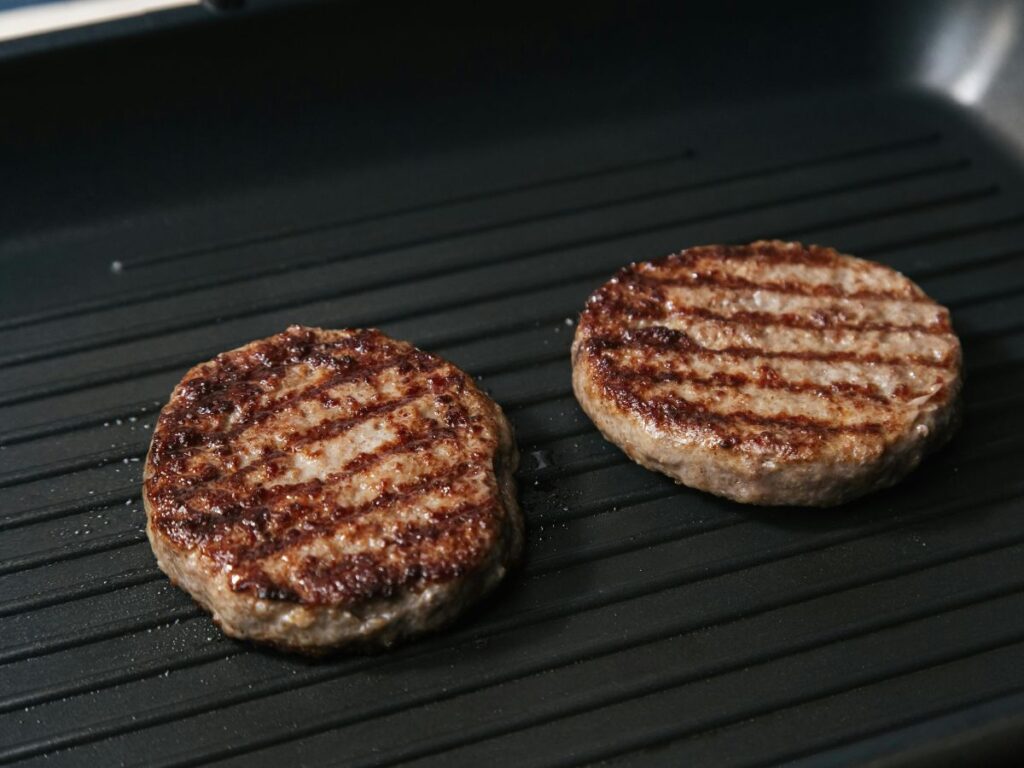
(638, 365)
(322, 432)
(641, 283)
(369, 575)
(230, 379)
(791, 287)
(769, 252)
(406, 443)
(357, 374)
(243, 497)
(668, 410)
(788, 438)
(256, 582)
(665, 339)
(818, 321)
(180, 435)
(256, 523)
(332, 428)
(236, 383)
(290, 534)
(201, 500)
(232, 492)
(766, 378)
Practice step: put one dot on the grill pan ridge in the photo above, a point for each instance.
(649, 624)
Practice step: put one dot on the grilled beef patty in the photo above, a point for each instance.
(322, 488)
(770, 373)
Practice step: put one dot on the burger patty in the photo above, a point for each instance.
(770, 373)
(322, 488)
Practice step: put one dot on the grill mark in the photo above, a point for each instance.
(666, 409)
(768, 251)
(222, 440)
(321, 432)
(403, 444)
(407, 442)
(332, 428)
(773, 252)
(207, 508)
(175, 443)
(639, 295)
(817, 320)
(258, 583)
(367, 576)
(789, 438)
(336, 515)
(456, 418)
(438, 524)
(242, 496)
(790, 287)
(669, 340)
(256, 525)
(213, 384)
(362, 374)
(767, 378)
(197, 409)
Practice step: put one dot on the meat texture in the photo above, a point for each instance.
(770, 373)
(324, 488)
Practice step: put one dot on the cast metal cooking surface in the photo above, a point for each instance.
(649, 623)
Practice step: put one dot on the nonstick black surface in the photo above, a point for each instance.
(649, 623)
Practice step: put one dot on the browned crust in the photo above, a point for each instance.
(213, 507)
(695, 409)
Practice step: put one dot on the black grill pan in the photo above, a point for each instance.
(650, 624)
